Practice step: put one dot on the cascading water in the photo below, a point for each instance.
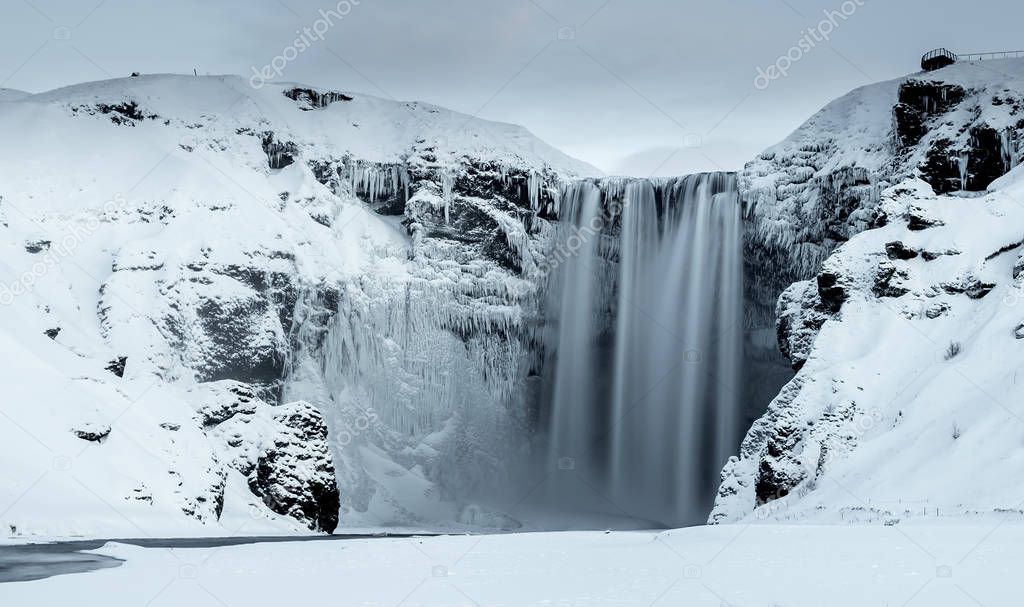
(648, 342)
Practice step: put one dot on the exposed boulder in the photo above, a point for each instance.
(889, 281)
(92, 432)
(117, 366)
(282, 450)
(294, 474)
(37, 246)
(898, 250)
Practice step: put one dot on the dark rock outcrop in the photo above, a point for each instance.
(295, 475)
(312, 99)
(897, 250)
(92, 432)
(279, 154)
(888, 281)
(830, 291)
(37, 246)
(117, 366)
(231, 399)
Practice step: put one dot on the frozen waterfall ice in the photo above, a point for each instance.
(646, 342)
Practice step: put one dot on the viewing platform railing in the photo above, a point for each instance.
(986, 56)
(941, 57)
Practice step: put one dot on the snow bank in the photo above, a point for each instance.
(795, 566)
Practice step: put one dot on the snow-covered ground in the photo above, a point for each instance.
(736, 565)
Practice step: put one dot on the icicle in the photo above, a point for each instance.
(1008, 149)
(962, 160)
(376, 181)
(533, 186)
(447, 189)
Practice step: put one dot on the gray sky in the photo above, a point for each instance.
(633, 86)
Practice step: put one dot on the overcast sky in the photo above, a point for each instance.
(633, 86)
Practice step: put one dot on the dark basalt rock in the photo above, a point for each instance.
(240, 400)
(887, 280)
(987, 161)
(942, 169)
(311, 99)
(296, 476)
(92, 432)
(279, 154)
(917, 222)
(210, 503)
(923, 106)
(778, 473)
(971, 287)
(1006, 249)
(933, 255)
(832, 294)
(918, 101)
(117, 366)
(126, 113)
(936, 310)
(898, 250)
(37, 246)
(801, 314)
(498, 250)
(333, 173)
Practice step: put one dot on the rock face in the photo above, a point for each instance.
(954, 129)
(889, 373)
(958, 128)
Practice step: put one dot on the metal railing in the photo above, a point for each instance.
(940, 52)
(987, 56)
(941, 57)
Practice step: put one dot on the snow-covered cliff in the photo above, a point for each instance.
(958, 128)
(891, 211)
(177, 253)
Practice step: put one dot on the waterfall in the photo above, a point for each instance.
(647, 342)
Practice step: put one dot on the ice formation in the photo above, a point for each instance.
(374, 181)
